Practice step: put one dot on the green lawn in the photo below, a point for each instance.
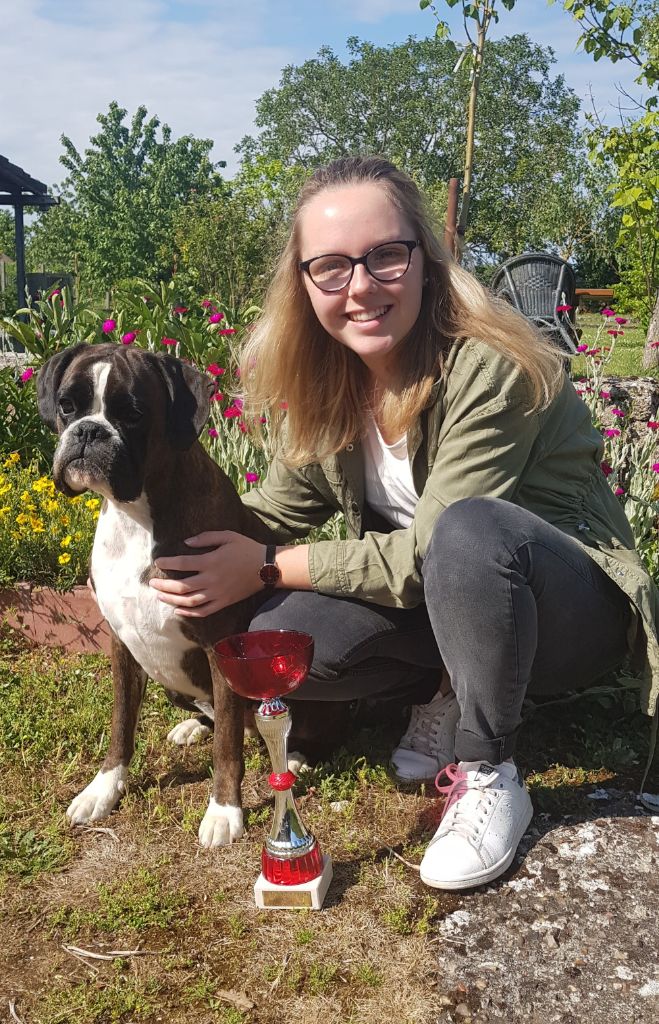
(626, 359)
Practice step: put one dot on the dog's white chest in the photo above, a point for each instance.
(150, 629)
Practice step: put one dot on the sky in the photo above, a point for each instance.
(200, 65)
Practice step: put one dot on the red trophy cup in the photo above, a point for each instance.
(265, 665)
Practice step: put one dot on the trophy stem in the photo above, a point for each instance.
(291, 854)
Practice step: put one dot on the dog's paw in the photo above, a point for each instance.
(188, 732)
(221, 824)
(297, 762)
(99, 798)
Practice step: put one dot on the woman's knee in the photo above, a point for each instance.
(465, 527)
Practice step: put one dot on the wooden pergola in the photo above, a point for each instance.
(19, 190)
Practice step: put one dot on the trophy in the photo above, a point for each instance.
(264, 665)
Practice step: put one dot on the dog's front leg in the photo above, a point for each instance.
(105, 790)
(223, 820)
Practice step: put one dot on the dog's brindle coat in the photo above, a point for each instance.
(128, 422)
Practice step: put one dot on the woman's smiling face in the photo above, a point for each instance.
(368, 316)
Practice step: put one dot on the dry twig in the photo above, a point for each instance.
(113, 954)
(12, 1012)
(407, 863)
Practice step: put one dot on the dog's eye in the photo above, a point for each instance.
(66, 406)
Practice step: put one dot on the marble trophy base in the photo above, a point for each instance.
(307, 896)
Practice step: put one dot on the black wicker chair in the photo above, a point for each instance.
(536, 283)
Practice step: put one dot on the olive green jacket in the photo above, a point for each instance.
(476, 437)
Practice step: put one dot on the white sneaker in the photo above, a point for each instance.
(488, 810)
(429, 741)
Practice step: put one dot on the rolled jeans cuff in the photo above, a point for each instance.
(469, 747)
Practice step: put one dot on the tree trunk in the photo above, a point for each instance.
(650, 354)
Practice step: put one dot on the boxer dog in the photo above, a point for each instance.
(128, 423)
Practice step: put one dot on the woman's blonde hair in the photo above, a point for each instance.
(292, 369)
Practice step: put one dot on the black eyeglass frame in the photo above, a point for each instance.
(355, 261)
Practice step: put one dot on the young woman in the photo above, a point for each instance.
(484, 547)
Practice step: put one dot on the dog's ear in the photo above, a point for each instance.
(49, 379)
(189, 404)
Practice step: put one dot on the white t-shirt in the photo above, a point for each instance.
(388, 483)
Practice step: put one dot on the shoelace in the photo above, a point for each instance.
(424, 725)
(464, 821)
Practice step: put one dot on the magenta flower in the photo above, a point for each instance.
(206, 304)
(217, 397)
(617, 412)
(108, 326)
(655, 467)
(213, 433)
(238, 402)
(168, 341)
(128, 338)
(215, 370)
(242, 427)
(251, 478)
(605, 394)
(608, 312)
(615, 333)
(606, 468)
(228, 330)
(180, 309)
(582, 348)
(654, 344)
(27, 374)
(621, 320)
(580, 391)
(231, 412)
(619, 490)
(612, 432)
(593, 351)
(563, 309)
(653, 425)
(215, 318)
(55, 291)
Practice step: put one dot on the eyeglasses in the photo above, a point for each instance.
(385, 263)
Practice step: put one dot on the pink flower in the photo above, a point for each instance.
(27, 374)
(213, 433)
(231, 412)
(563, 309)
(55, 291)
(242, 427)
(617, 412)
(653, 425)
(262, 419)
(128, 338)
(168, 341)
(582, 348)
(238, 402)
(655, 467)
(615, 333)
(621, 320)
(228, 330)
(108, 326)
(654, 344)
(215, 318)
(215, 370)
(607, 469)
(180, 309)
(608, 312)
(217, 397)
(206, 304)
(251, 478)
(593, 351)
(619, 490)
(612, 432)
(605, 394)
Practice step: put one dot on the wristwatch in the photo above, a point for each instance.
(270, 573)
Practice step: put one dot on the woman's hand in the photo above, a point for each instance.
(228, 573)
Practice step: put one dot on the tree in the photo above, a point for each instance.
(228, 241)
(405, 102)
(122, 195)
(630, 32)
(7, 236)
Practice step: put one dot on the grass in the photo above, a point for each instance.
(138, 881)
(627, 356)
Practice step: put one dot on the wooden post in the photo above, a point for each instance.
(476, 68)
(451, 216)
(20, 253)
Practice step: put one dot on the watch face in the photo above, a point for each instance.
(270, 574)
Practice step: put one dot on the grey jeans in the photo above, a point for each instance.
(511, 604)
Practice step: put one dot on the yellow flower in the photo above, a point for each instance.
(11, 460)
(22, 518)
(5, 509)
(76, 500)
(92, 503)
(37, 524)
(4, 488)
(43, 484)
(65, 541)
(77, 535)
(50, 505)
(64, 558)
(64, 520)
